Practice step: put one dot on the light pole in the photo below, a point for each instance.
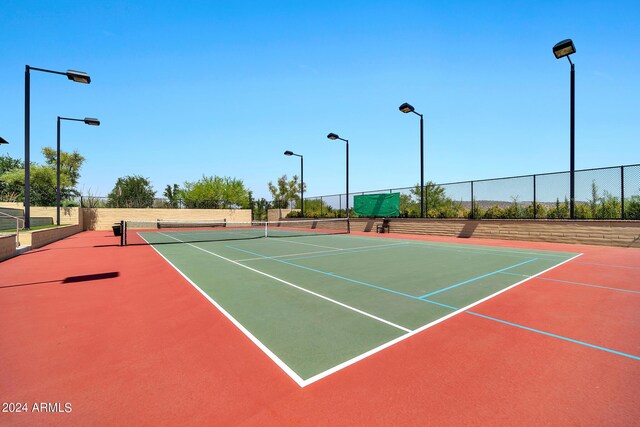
(407, 108)
(86, 120)
(76, 76)
(561, 49)
(291, 153)
(333, 137)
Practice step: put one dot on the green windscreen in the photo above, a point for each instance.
(378, 205)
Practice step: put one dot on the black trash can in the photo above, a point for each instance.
(116, 230)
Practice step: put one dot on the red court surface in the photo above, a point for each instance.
(119, 337)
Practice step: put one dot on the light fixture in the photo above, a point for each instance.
(291, 153)
(333, 137)
(87, 120)
(560, 50)
(564, 48)
(76, 76)
(406, 108)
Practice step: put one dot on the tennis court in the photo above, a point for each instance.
(316, 299)
(194, 324)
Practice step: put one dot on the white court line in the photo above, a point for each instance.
(463, 247)
(244, 330)
(325, 252)
(364, 313)
(422, 328)
(303, 383)
(308, 244)
(262, 347)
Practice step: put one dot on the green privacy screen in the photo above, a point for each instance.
(387, 204)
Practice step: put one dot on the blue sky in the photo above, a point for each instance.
(224, 88)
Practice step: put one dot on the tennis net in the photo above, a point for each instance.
(142, 232)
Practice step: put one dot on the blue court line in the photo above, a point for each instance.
(337, 276)
(476, 278)
(549, 334)
(485, 250)
(586, 344)
(346, 251)
(579, 283)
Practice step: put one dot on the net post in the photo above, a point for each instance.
(123, 233)
(266, 229)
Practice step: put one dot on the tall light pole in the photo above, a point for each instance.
(562, 49)
(333, 137)
(86, 120)
(76, 76)
(291, 153)
(407, 108)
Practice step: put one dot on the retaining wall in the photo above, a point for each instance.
(41, 238)
(105, 218)
(610, 233)
(7, 246)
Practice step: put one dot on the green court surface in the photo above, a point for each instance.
(316, 304)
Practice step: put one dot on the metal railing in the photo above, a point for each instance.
(18, 227)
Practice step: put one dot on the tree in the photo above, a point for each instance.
(173, 195)
(43, 184)
(260, 208)
(285, 191)
(409, 208)
(70, 163)
(437, 204)
(131, 192)
(561, 210)
(43, 178)
(8, 163)
(632, 207)
(214, 192)
(10, 192)
(315, 208)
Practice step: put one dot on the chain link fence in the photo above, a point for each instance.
(602, 193)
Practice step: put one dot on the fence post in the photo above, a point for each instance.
(473, 203)
(535, 205)
(622, 191)
(320, 206)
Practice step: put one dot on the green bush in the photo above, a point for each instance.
(560, 211)
(609, 207)
(632, 208)
(317, 208)
(541, 211)
(494, 212)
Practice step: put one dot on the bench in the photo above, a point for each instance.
(384, 227)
